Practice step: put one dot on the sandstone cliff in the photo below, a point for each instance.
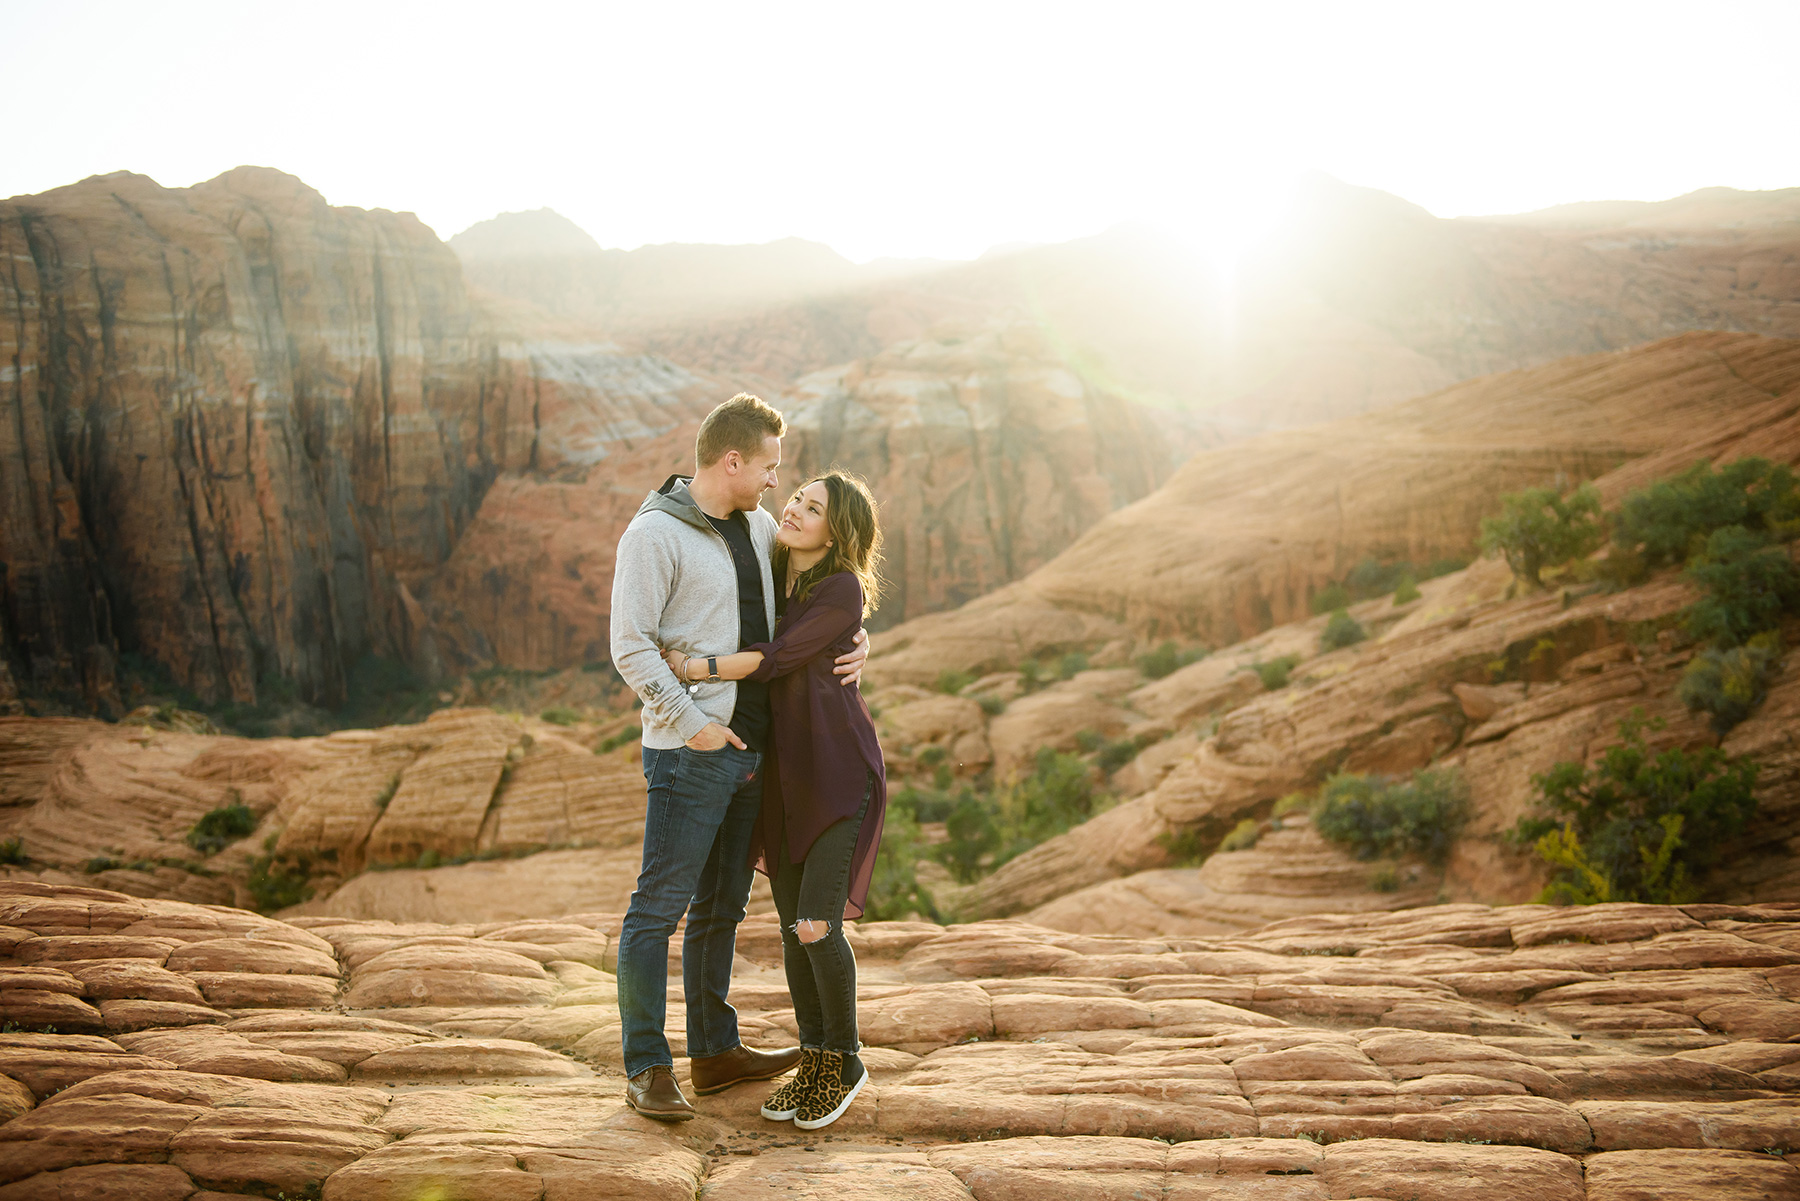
(241, 422)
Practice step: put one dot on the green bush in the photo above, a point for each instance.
(1293, 802)
(12, 852)
(1116, 753)
(1167, 659)
(1669, 521)
(974, 836)
(952, 681)
(221, 827)
(1375, 816)
(387, 792)
(1444, 566)
(1730, 684)
(1274, 673)
(1243, 836)
(1637, 826)
(894, 889)
(1332, 596)
(560, 715)
(1341, 631)
(101, 863)
(1072, 665)
(276, 883)
(991, 704)
(1385, 879)
(1537, 528)
(1748, 585)
(1407, 591)
(1057, 796)
(628, 734)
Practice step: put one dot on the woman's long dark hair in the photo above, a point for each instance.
(855, 540)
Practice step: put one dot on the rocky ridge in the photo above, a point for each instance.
(1458, 1052)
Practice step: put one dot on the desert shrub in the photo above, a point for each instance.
(627, 735)
(1377, 816)
(221, 827)
(1071, 665)
(1730, 684)
(1117, 752)
(1443, 566)
(974, 836)
(1167, 659)
(1058, 795)
(1341, 631)
(387, 792)
(992, 704)
(1293, 802)
(1406, 591)
(1031, 675)
(1749, 583)
(1243, 836)
(276, 882)
(1669, 521)
(12, 852)
(1274, 673)
(1385, 879)
(1537, 528)
(1638, 825)
(101, 863)
(560, 715)
(1332, 596)
(952, 681)
(894, 889)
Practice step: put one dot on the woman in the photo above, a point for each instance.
(824, 787)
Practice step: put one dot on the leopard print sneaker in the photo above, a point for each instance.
(838, 1079)
(784, 1101)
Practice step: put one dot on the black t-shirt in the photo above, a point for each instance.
(750, 720)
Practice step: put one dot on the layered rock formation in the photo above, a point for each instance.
(114, 806)
(989, 455)
(241, 422)
(1457, 1053)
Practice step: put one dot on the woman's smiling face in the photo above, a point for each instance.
(803, 524)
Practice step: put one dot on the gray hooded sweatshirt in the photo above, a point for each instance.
(674, 585)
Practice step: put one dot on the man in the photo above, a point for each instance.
(693, 573)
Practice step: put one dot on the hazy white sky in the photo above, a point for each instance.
(906, 129)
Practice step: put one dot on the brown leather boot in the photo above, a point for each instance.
(654, 1093)
(716, 1073)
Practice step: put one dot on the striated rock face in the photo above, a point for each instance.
(1242, 537)
(989, 456)
(1456, 1051)
(242, 422)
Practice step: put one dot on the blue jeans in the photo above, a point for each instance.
(703, 806)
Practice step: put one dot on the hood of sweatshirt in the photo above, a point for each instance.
(674, 499)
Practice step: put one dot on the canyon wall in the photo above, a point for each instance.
(239, 422)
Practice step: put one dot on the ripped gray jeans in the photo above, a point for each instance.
(821, 973)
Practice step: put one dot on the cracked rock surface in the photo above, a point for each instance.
(1458, 1052)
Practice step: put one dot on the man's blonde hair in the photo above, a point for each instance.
(739, 424)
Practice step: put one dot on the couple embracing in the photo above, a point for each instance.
(743, 638)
